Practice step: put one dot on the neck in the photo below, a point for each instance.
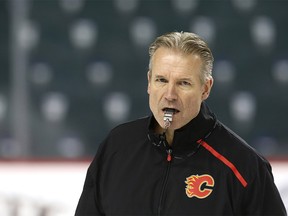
(169, 134)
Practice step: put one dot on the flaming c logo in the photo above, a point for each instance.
(199, 186)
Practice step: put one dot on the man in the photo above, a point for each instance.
(181, 160)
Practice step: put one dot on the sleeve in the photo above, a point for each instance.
(89, 202)
(263, 197)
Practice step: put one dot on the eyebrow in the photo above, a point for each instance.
(178, 79)
(186, 79)
(159, 76)
(181, 78)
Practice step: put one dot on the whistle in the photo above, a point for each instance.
(168, 115)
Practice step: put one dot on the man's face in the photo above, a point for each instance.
(174, 82)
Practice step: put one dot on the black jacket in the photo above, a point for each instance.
(208, 170)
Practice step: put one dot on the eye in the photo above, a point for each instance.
(185, 83)
(161, 80)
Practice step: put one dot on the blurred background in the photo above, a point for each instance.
(73, 69)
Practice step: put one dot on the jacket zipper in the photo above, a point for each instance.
(164, 185)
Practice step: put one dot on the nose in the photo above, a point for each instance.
(171, 92)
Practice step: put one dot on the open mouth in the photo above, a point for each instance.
(171, 110)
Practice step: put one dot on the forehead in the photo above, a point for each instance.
(167, 60)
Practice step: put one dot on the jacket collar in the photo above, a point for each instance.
(185, 138)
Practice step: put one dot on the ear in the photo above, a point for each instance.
(207, 88)
(149, 80)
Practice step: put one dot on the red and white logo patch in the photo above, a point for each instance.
(199, 186)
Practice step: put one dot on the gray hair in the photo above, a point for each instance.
(188, 43)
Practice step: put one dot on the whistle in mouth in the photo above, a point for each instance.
(168, 115)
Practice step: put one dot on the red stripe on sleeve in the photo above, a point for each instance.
(225, 161)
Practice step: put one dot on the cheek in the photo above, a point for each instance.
(152, 100)
(153, 93)
(192, 103)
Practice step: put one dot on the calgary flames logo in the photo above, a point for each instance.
(199, 186)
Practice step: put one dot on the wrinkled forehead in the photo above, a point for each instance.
(167, 57)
